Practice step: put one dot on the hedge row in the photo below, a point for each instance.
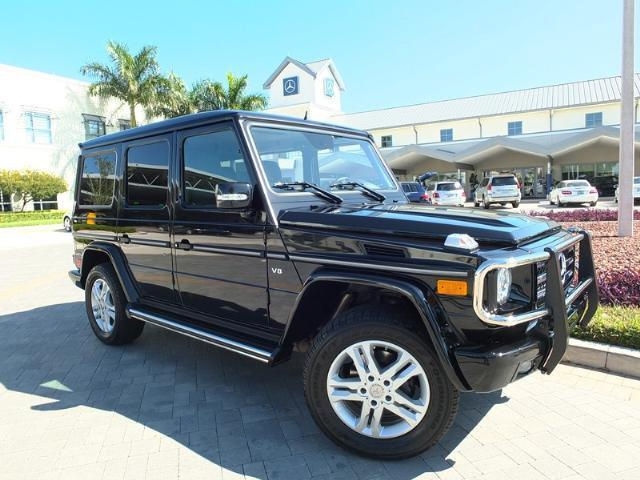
(21, 217)
(582, 215)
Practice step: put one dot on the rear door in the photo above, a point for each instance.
(220, 263)
(145, 217)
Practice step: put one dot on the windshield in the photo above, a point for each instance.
(449, 186)
(321, 159)
(578, 183)
(501, 181)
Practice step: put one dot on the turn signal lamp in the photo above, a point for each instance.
(452, 287)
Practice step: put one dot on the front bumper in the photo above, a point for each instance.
(75, 277)
(490, 368)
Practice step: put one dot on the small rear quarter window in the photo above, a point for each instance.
(98, 179)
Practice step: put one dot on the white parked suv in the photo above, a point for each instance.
(500, 189)
(448, 192)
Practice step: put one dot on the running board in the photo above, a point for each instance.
(203, 335)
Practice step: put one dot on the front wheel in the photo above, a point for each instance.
(485, 204)
(374, 385)
(67, 224)
(515, 204)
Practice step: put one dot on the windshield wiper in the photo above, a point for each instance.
(369, 192)
(320, 192)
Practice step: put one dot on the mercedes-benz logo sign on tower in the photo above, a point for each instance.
(290, 86)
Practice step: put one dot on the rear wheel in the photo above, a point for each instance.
(515, 204)
(374, 386)
(105, 304)
(593, 204)
(484, 203)
(67, 224)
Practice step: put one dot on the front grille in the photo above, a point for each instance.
(570, 276)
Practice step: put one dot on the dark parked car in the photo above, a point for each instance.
(203, 225)
(415, 191)
(606, 185)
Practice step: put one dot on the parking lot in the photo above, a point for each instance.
(168, 406)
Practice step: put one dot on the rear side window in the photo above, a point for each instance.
(405, 187)
(210, 160)
(500, 181)
(97, 180)
(147, 174)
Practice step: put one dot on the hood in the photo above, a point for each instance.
(422, 222)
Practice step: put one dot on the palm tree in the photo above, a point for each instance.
(134, 79)
(233, 97)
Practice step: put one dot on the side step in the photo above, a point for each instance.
(200, 334)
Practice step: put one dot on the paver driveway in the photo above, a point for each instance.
(170, 407)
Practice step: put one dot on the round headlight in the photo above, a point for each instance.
(503, 285)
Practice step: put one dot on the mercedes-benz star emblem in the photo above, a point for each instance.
(290, 86)
(563, 265)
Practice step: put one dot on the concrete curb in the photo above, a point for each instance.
(619, 360)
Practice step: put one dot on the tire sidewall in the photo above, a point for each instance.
(105, 273)
(424, 435)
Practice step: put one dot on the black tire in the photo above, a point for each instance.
(125, 330)
(377, 323)
(66, 223)
(485, 204)
(593, 204)
(515, 204)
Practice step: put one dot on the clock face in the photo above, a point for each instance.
(290, 86)
(328, 87)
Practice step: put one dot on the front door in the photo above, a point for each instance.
(145, 217)
(220, 263)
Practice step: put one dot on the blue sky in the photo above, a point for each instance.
(389, 53)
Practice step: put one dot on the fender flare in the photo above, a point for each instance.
(408, 289)
(117, 259)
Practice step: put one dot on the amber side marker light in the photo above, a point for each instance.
(452, 287)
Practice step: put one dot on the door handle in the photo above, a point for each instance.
(184, 245)
(125, 239)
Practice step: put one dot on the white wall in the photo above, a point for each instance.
(306, 88)
(65, 100)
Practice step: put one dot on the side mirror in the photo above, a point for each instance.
(233, 195)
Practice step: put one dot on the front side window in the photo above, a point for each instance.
(386, 141)
(37, 127)
(593, 119)
(446, 135)
(98, 179)
(323, 159)
(211, 159)
(514, 128)
(94, 126)
(147, 174)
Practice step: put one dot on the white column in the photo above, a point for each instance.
(627, 131)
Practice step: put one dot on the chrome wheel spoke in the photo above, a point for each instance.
(370, 359)
(376, 422)
(405, 375)
(363, 419)
(393, 369)
(356, 356)
(411, 418)
(345, 395)
(416, 405)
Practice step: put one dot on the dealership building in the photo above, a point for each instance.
(542, 134)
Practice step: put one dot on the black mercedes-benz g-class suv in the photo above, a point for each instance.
(260, 234)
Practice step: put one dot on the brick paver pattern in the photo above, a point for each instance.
(169, 407)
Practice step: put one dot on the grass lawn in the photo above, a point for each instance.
(31, 223)
(613, 325)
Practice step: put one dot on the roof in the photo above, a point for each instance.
(600, 90)
(203, 118)
(464, 154)
(312, 68)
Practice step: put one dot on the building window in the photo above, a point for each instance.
(94, 126)
(37, 127)
(147, 175)
(124, 124)
(386, 141)
(593, 119)
(1, 126)
(514, 128)
(328, 87)
(446, 135)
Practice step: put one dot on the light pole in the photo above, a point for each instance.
(627, 129)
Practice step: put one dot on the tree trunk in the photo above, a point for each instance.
(132, 115)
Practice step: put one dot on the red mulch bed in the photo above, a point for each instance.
(610, 251)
